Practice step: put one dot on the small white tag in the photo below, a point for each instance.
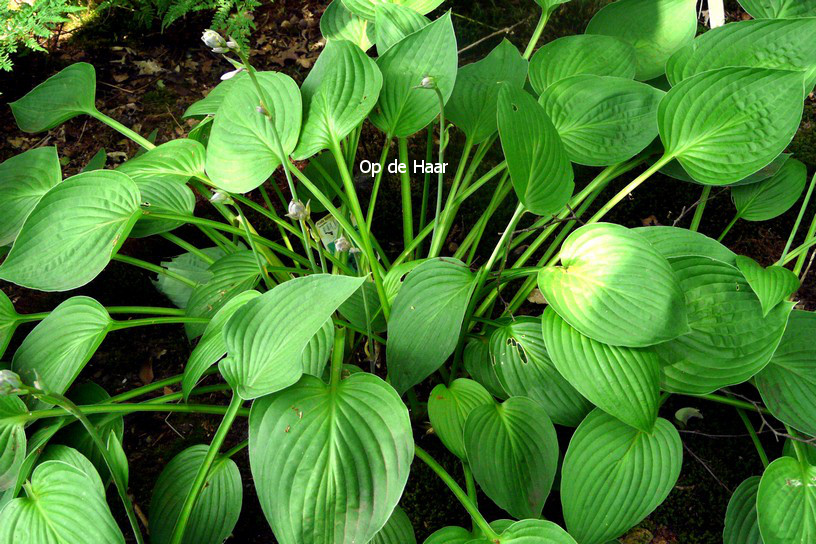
(716, 13)
(329, 230)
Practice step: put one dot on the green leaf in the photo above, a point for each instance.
(773, 196)
(479, 365)
(613, 475)
(266, 336)
(97, 162)
(730, 340)
(53, 513)
(448, 409)
(60, 346)
(788, 383)
(536, 158)
(790, 450)
(338, 94)
(367, 8)
(330, 462)
(160, 195)
(623, 382)
(513, 451)
(38, 439)
(741, 526)
(66, 454)
(119, 458)
(772, 285)
(215, 512)
(674, 170)
(674, 242)
(532, 531)
(776, 9)
(364, 307)
(581, 54)
(450, 535)
(212, 347)
(8, 322)
(655, 28)
(209, 104)
(472, 106)
(398, 530)
(316, 353)
(242, 153)
(403, 109)
(24, 179)
(394, 22)
(783, 44)
(786, 502)
(175, 161)
(426, 319)
(12, 440)
(599, 289)
(69, 93)
(338, 23)
(602, 120)
(549, 6)
(190, 266)
(712, 122)
(72, 232)
(523, 367)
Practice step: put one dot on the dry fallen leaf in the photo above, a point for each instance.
(148, 67)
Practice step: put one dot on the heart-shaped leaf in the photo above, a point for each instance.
(190, 266)
(613, 475)
(69, 93)
(70, 235)
(478, 363)
(161, 195)
(24, 179)
(12, 439)
(710, 122)
(472, 106)
(536, 158)
(338, 23)
(773, 196)
(772, 285)
(330, 462)
(513, 451)
(730, 340)
(176, 161)
(674, 242)
(316, 354)
(655, 28)
(426, 319)
(450, 535)
(777, 9)
(65, 505)
(741, 525)
(404, 109)
(448, 409)
(398, 530)
(266, 336)
(215, 512)
(788, 383)
(523, 367)
(786, 502)
(599, 289)
(363, 307)
(367, 8)
(623, 382)
(9, 319)
(338, 93)
(529, 531)
(209, 104)
(581, 54)
(602, 120)
(242, 153)
(549, 6)
(394, 22)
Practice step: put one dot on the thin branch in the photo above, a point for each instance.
(505, 30)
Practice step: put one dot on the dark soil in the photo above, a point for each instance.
(147, 79)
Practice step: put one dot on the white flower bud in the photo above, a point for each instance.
(231, 43)
(220, 197)
(298, 211)
(10, 382)
(231, 74)
(261, 110)
(428, 82)
(342, 244)
(213, 40)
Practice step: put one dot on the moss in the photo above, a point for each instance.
(159, 99)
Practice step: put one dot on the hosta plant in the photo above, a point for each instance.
(324, 336)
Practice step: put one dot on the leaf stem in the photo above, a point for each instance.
(375, 191)
(539, 29)
(405, 190)
(799, 218)
(733, 402)
(337, 356)
(173, 320)
(154, 268)
(729, 226)
(188, 247)
(122, 129)
(698, 213)
(754, 438)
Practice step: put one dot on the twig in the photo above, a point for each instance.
(708, 469)
(505, 30)
(686, 210)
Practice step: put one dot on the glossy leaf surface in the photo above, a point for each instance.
(772, 285)
(24, 179)
(449, 407)
(786, 502)
(741, 526)
(69, 93)
(773, 196)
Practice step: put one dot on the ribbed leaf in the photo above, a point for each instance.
(773, 196)
(450, 535)
(770, 9)
(394, 22)
(549, 6)
(723, 125)
(61, 344)
(190, 266)
(613, 476)
(316, 353)
(66, 506)
(215, 512)
(783, 44)
(176, 160)
(242, 153)
(472, 106)
(398, 530)
(530, 531)
(513, 451)
(655, 28)
(403, 109)
(599, 289)
(771, 285)
(602, 120)
(266, 336)
(209, 104)
(741, 525)
(674, 242)
(786, 503)
(162, 195)
(479, 365)
(12, 440)
(69, 93)
(674, 170)
(338, 93)
(425, 320)
(788, 383)
(623, 382)
(581, 54)
(448, 409)
(338, 23)
(536, 158)
(72, 232)
(8, 322)
(730, 340)
(24, 179)
(367, 8)
(523, 367)
(330, 463)
(364, 307)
